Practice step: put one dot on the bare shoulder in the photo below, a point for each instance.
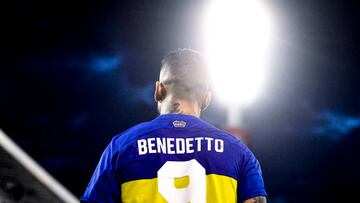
(259, 199)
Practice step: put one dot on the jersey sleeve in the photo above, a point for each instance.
(250, 181)
(104, 184)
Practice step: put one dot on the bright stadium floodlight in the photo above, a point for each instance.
(238, 35)
(237, 38)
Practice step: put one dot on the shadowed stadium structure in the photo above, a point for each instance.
(23, 180)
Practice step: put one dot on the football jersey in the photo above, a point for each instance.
(178, 159)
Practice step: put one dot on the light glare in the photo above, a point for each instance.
(237, 34)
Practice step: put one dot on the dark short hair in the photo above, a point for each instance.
(189, 72)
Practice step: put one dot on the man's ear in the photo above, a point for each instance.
(160, 91)
(206, 101)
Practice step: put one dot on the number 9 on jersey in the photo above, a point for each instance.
(195, 190)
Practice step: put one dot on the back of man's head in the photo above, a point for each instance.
(185, 74)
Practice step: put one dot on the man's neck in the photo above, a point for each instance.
(180, 107)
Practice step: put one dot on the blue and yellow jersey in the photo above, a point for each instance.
(175, 158)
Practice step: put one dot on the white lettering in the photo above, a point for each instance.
(142, 146)
(198, 140)
(209, 139)
(180, 146)
(151, 145)
(189, 145)
(219, 145)
(170, 145)
(161, 145)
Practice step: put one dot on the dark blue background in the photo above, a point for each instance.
(75, 73)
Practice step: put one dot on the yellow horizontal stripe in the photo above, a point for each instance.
(219, 188)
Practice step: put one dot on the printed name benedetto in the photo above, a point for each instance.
(179, 145)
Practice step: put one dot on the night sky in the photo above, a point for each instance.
(76, 73)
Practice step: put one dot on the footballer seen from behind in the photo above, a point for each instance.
(177, 157)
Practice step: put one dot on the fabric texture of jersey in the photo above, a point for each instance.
(175, 158)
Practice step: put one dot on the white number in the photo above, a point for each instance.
(194, 192)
